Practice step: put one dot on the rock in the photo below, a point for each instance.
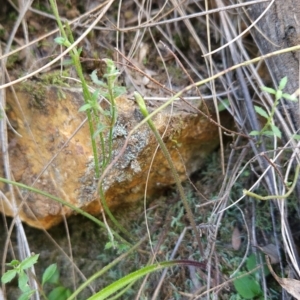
(55, 155)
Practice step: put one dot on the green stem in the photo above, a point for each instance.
(59, 200)
(110, 215)
(139, 99)
(102, 140)
(269, 120)
(110, 83)
(86, 94)
(87, 98)
(271, 197)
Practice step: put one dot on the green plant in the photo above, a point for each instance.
(132, 277)
(20, 270)
(141, 103)
(66, 39)
(110, 91)
(270, 128)
(247, 282)
(50, 276)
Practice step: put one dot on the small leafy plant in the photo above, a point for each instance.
(20, 270)
(50, 276)
(109, 90)
(248, 286)
(270, 128)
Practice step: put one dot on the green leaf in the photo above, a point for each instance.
(247, 286)
(254, 133)
(49, 274)
(117, 285)
(59, 40)
(276, 130)
(95, 79)
(85, 107)
(26, 295)
(23, 282)
(29, 262)
(251, 262)
(68, 62)
(100, 128)
(62, 41)
(289, 97)
(13, 263)
(223, 105)
(95, 96)
(296, 137)
(59, 293)
(282, 83)
(105, 94)
(109, 245)
(111, 70)
(79, 51)
(278, 94)
(268, 90)
(261, 111)
(122, 248)
(268, 133)
(118, 91)
(8, 276)
(141, 103)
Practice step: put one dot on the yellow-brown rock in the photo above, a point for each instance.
(55, 155)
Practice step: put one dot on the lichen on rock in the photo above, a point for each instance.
(55, 153)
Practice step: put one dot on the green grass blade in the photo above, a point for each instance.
(117, 285)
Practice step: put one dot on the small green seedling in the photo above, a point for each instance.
(51, 276)
(20, 270)
(109, 90)
(248, 286)
(270, 129)
(223, 105)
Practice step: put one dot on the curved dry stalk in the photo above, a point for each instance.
(24, 248)
(245, 31)
(59, 57)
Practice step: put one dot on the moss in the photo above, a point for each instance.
(37, 92)
(55, 78)
(12, 60)
(181, 41)
(38, 89)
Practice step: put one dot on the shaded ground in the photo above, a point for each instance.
(166, 220)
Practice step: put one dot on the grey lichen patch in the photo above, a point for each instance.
(119, 130)
(88, 183)
(128, 165)
(137, 143)
(135, 166)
